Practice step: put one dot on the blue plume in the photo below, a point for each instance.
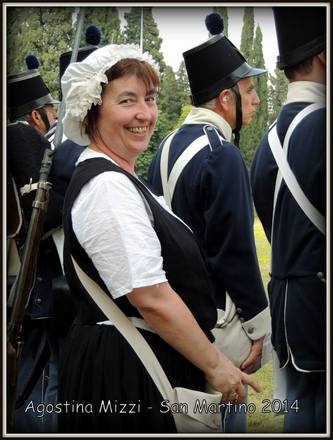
(214, 23)
(93, 35)
(32, 62)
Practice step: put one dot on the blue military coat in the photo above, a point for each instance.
(213, 197)
(297, 292)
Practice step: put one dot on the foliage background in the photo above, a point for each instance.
(47, 32)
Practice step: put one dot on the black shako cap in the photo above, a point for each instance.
(92, 37)
(65, 57)
(301, 33)
(26, 91)
(214, 66)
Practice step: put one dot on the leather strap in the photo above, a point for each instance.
(137, 322)
(28, 188)
(285, 172)
(239, 114)
(128, 331)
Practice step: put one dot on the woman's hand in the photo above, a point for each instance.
(229, 380)
(165, 312)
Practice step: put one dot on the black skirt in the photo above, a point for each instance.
(104, 388)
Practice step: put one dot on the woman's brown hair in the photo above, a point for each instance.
(127, 66)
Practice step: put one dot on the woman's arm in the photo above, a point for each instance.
(167, 314)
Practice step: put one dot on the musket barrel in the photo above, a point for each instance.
(24, 282)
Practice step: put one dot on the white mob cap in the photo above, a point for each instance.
(81, 85)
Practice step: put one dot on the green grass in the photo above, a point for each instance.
(261, 421)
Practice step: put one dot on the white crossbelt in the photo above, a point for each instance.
(169, 183)
(285, 173)
(137, 322)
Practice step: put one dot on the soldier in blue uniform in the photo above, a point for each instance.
(51, 309)
(212, 194)
(31, 112)
(296, 229)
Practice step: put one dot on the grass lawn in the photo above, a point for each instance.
(261, 421)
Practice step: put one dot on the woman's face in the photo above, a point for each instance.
(127, 116)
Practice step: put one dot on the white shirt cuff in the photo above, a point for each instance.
(259, 325)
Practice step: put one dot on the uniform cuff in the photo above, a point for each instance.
(258, 326)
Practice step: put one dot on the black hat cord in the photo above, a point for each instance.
(44, 117)
(239, 114)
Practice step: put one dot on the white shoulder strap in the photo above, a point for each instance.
(18, 210)
(198, 421)
(182, 161)
(164, 160)
(169, 184)
(129, 332)
(285, 172)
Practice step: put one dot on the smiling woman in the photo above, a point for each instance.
(126, 239)
(122, 126)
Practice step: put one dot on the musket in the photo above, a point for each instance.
(25, 279)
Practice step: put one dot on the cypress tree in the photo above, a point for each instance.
(246, 46)
(277, 93)
(169, 102)
(259, 122)
(183, 86)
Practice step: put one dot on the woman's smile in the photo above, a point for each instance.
(138, 130)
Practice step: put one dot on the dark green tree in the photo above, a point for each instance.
(247, 36)
(246, 47)
(183, 86)
(151, 39)
(108, 22)
(262, 82)
(19, 24)
(44, 32)
(49, 32)
(259, 122)
(252, 50)
(169, 102)
(224, 14)
(185, 111)
(277, 93)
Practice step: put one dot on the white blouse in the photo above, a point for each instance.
(113, 223)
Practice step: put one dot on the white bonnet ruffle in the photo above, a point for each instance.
(81, 85)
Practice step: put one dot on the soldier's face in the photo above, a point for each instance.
(250, 99)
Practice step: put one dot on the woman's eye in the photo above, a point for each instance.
(151, 99)
(126, 101)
